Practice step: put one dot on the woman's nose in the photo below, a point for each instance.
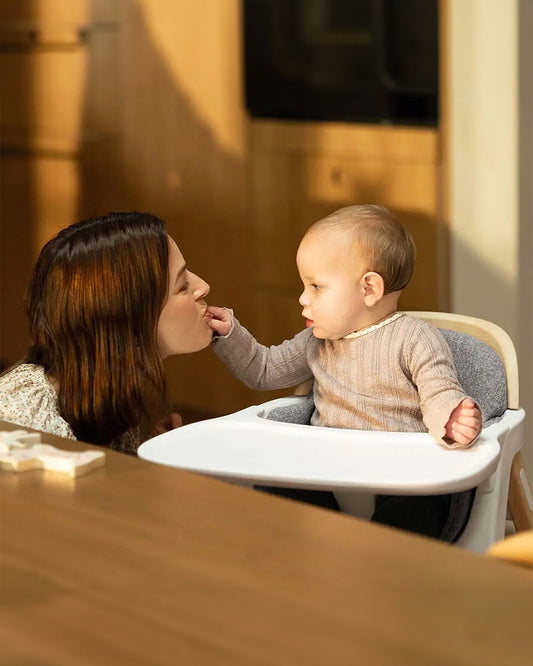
(200, 288)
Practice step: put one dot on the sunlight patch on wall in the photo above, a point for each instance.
(193, 37)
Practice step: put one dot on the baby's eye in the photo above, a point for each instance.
(316, 287)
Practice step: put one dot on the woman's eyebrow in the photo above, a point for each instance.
(180, 273)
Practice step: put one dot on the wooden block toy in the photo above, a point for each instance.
(21, 451)
(18, 439)
(516, 548)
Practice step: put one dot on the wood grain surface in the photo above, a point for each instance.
(137, 563)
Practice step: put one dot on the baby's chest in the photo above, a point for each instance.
(360, 371)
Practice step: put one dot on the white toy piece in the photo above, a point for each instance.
(21, 451)
(17, 439)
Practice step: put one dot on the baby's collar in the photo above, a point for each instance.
(372, 327)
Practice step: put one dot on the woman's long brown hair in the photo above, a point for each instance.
(93, 303)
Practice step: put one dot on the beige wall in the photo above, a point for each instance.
(490, 170)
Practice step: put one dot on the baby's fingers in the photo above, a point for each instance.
(472, 421)
(468, 403)
(464, 433)
(218, 313)
(220, 320)
(220, 327)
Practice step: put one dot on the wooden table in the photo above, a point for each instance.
(137, 563)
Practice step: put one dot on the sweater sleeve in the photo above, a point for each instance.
(433, 372)
(260, 367)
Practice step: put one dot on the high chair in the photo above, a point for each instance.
(271, 445)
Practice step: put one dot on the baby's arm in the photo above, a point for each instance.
(464, 424)
(451, 417)
(257, 366)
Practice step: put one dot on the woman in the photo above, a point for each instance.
(109, 299)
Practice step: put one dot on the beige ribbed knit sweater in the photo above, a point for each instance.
(398, 377)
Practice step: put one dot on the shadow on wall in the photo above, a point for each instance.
(17, 195)
(152, 151)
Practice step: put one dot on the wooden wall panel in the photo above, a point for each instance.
(43, 61)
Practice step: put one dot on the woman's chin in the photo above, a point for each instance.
(204, 338)
(201, 341)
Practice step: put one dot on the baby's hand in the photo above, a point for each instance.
(173, 420)
(220, 320)
(464, 423)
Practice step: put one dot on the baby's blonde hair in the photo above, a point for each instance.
(381, 242)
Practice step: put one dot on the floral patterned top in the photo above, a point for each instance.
(27, 398)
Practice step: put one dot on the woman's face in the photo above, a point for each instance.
(183, 325)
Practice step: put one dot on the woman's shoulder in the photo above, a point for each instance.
(128, 442)
(25, 377)
(28, 399)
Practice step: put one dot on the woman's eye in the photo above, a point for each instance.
(184, 287)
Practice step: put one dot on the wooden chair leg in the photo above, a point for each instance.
(520, 496)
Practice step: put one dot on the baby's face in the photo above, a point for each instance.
(332, 299)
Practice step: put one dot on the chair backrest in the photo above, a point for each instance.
(487, 332)
(480, 372)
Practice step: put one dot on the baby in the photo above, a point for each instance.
(374, 368)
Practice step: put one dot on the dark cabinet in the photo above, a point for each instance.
(369, 61)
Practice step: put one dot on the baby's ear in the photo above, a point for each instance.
(373, 288)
